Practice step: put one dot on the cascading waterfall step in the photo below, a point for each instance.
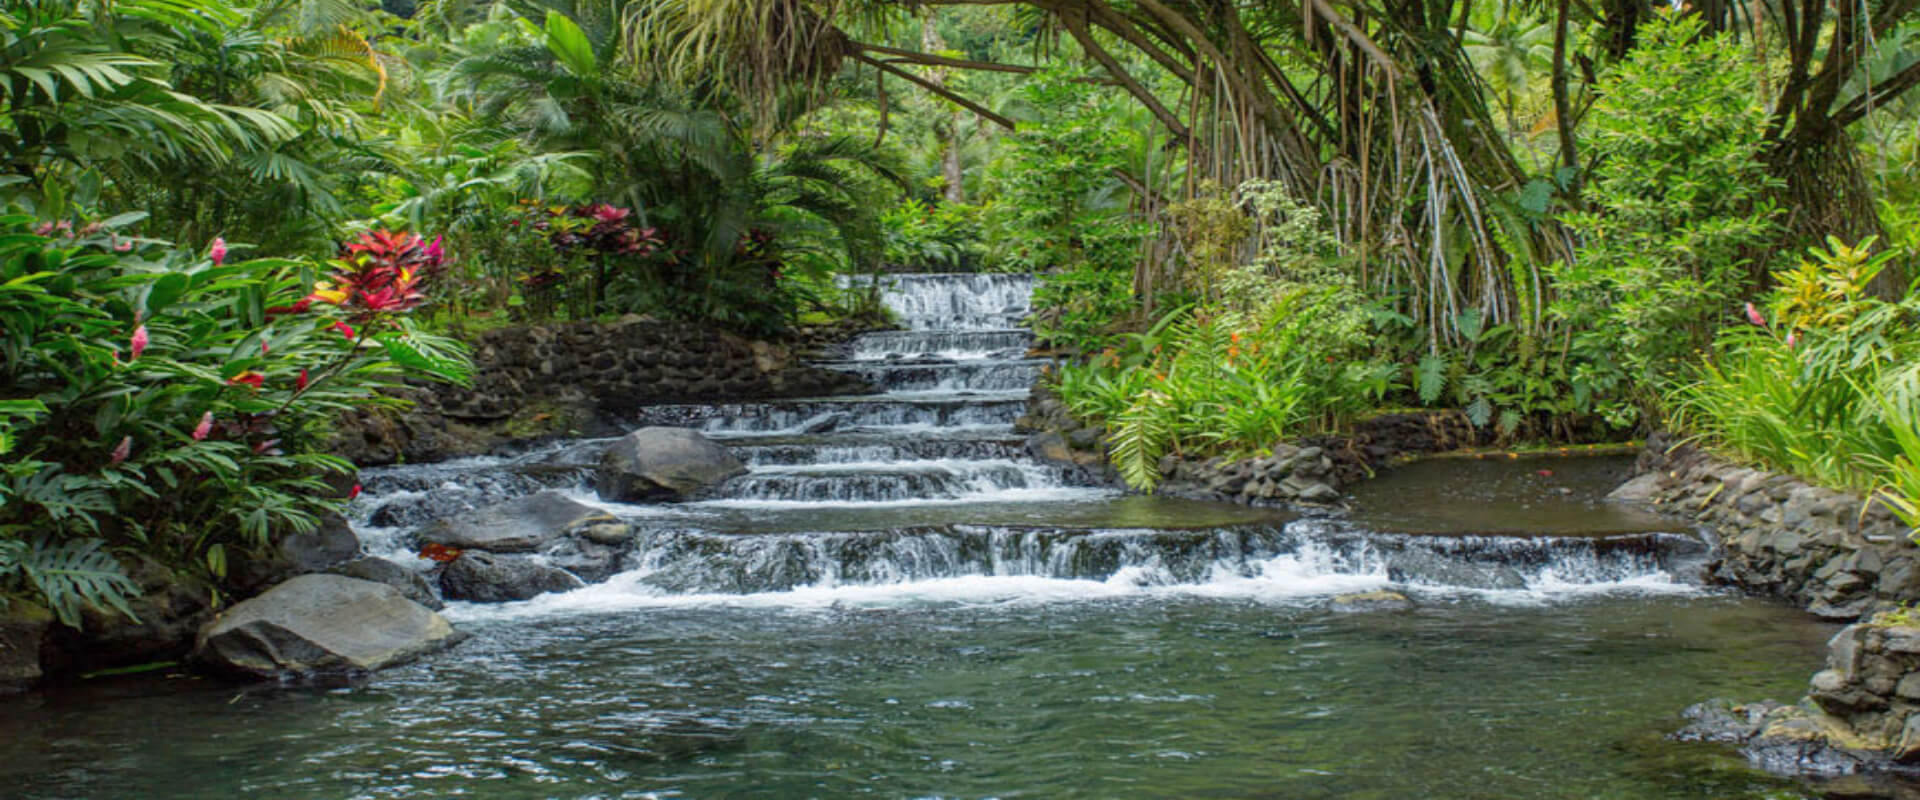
(928, 481)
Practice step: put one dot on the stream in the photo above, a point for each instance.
(897, 601)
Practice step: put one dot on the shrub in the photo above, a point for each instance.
(1677, 205)
(1823, 383)
(174, 404)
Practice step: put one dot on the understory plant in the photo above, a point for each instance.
(169, 405)
(1822, 381)
(1677, 208)
(1281, 349)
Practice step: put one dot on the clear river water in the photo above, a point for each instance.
(896, 601)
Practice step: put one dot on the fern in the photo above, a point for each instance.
(76, 573)
(1430, 377)
(1140, 436)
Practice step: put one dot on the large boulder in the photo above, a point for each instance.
(521, 525)
(379, 570)
(331, 542)
(670, 464)
(321, 625)
(22, 627)
(483, 577)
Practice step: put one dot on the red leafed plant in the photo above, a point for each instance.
(434, 551)
(383, 272)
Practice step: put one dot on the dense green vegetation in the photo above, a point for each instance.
(1253, 222)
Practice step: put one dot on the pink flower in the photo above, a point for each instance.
(344, 329)
(122, 245)
(263, 347)
(139, 343)
(1753, 316)
(205, 427)
(1793, 338)
(434, 253)
(218, 251)
(263, 448)
(120, 452)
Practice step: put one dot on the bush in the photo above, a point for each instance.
(1823, 383)
(174, 404)
(1283, 348)
(1677, 206)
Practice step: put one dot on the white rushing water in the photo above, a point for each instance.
(923, 494)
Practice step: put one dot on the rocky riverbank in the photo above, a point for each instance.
(1832, 552)
(1840, 557)
(1312, 470)
(536, 382)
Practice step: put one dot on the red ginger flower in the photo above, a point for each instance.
(205, 427)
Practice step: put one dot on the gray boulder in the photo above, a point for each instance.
(483, 577)
(663, 464)
(1378, 600)
(22, 627)
(316, 625)
(522, 525)
(1639, 489)
(379, 570)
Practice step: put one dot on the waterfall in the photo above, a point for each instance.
(926, 486)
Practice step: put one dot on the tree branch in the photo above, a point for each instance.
(983, 111)
(1881, 92)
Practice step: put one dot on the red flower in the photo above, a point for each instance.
(300, 383)
(250, 378)
(353, 492)
(344, 329)
(218, 251)
(205, 427)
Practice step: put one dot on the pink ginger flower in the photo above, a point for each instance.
(218, 251)
(205, 427)
(1753, 316)
(121, 451)
(139, 342)
(1793, 338)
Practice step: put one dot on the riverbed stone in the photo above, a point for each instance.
(1381, 600)
(520, 525)
(380, 570)
(663, 464)
(482, 577)
(321, 625)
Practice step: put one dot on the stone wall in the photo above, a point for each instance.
(1860, 714)
(1311, 470)
(579, 379)
(1827, 550)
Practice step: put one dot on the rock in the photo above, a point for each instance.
(321, 625)
(1308, 490)
(23, 627)
(332, 541)
(671, 464)
(379, 570)
(1049, 446)
(608, 533)
(483, 577)
(516, 526)
(1639, 489)
(1381, 600)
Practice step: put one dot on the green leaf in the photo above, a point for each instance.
(569, 44)
(1430, 378)
(73, 574)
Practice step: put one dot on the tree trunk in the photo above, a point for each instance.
(1825, 192)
